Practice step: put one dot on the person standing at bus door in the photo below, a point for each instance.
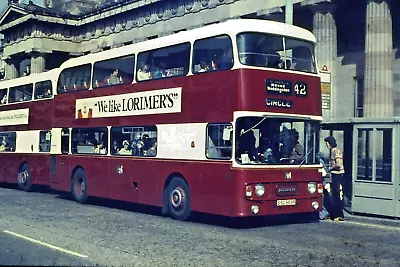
(297, 153)
(126, 148)
(337, 170)
(114, 79)
(143, 72)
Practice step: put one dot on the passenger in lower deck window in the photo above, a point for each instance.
(4, 146)
(100, 149)
(126, 148)
(115, 147)
(152, 151)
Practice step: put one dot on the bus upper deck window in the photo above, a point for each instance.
(212, 54)
(273, 51)
(3, 96)
(115, 71)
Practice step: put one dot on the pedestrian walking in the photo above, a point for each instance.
(336, 170)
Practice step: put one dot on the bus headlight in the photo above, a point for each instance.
(260, 190)
(312, 188)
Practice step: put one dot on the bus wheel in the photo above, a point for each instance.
(79, 186)
(25, 178)
(179, 199)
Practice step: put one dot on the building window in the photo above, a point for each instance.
(219, 141)
(364, 155)
(359, 97)
(383, 155)
(134, 141)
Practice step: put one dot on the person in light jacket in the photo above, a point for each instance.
(336, 169)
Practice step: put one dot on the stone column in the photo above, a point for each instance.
(11, 69)
(378, 90)
(38, 63)
(325, 31)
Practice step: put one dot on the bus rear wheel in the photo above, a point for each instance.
(179, 199)
(25, 178)
(79, 186)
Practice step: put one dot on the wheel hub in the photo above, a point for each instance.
(177, 198)
(24, 177)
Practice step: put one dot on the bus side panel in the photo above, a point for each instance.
(11, 163)
(40, 168)
(61, 179)
(123, 181)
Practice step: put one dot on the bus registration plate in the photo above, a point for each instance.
(286, 202)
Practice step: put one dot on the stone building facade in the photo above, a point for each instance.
(358, 40)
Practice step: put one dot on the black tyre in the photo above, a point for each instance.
(79, 186)
(179, 199)
(25, 178)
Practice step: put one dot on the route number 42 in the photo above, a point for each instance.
(300, 89)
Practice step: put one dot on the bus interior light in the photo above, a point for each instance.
(312, 188)
(260, 190)
(249, 191)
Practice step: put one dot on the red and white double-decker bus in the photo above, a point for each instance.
(222, 119)
(26, 112)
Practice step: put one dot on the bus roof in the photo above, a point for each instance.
(230, 27)
(32, 78)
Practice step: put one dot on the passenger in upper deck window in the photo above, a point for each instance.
(159, 71)
(143, 72)
(204, 67)
(226, 60)
(114, 79)
(4, 100)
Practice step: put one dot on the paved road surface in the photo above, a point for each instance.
(42, 228)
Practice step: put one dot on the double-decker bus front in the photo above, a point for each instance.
(276, 126)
